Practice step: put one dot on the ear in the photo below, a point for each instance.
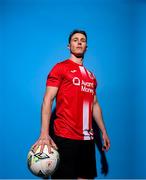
(68, 46)
(86, 47)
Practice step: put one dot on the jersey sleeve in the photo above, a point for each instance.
(55, 76)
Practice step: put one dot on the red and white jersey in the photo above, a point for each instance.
(74, 100)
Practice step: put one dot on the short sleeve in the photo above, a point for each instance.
(55, 76)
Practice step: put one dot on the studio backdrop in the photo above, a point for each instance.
(34, 37)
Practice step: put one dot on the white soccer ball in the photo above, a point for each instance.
(43, 164)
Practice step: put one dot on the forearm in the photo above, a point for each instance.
(45, 118)
(97, 115)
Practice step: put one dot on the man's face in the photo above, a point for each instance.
(78, 44)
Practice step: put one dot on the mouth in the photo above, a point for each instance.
(79, 47)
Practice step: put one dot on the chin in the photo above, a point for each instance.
(79, 55)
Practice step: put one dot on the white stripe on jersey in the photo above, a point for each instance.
(82, 69)
(86, 120)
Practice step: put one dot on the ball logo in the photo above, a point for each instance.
(43, 164)
(76, 81)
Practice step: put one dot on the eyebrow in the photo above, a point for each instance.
(78, 38)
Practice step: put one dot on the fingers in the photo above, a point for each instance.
(39, 144)
(42, 142)
(54, 145)
(42, 148)
(106, 144)
(35, 146)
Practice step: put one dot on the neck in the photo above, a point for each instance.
(76, 59)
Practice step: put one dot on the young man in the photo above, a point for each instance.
(76, 103)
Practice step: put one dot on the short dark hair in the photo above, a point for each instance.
(76, 31)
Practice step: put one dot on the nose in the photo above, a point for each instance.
(79, 42)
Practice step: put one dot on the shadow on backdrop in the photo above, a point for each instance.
(98, 142)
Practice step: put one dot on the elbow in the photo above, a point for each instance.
(96, 107)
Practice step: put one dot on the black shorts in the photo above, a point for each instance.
(77, 159)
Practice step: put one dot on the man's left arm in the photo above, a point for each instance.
(97, 115)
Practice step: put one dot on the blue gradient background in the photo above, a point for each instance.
(34, 37)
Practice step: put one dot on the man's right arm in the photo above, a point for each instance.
(44, 138)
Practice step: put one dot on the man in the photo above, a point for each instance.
(76, 103)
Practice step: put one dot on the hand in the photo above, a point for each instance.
(42, 141)
(106, 142)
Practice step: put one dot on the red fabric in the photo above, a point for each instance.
(74, 100)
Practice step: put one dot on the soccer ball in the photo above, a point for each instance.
(43, 164)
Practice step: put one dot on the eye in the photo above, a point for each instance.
(83, 40)
(75, 39)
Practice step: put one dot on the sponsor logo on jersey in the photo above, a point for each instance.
(76, 81)
(85, 86)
